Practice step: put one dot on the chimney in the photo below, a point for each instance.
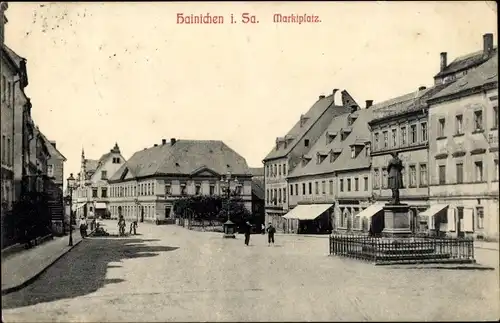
(369, 103)
(421, 88)
(321, 97)
(53, 143)
(156, 145)
(444, 62)
(163, 141)
(172, 141)
(487, 44)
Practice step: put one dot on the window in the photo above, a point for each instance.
(394, 137)
(441, 127)
(316, 188)
(116, 160)
(413, 176)
(365, 179)
(303, 188)
(4, 87)
(267, 195)
(348, 184)
(460, 173)
(168, 189)
(480, 217)
(442, 174)
(306, 142)
(376, 141)
(291, 189)
(275, 170)
(403, 136)
(284, 195)
(279, 195)
(367, 150)
(495, 117)
(4, 145)
(197, 189)
(356, 184)
(423, 175)
(267, 171)
(94, 192)
(279, 170)
(384, 178)
(323, 187)
(50, 170)
(183, 189)
(459, 122)
(495, 176)
(310, 188)
(237, 190)
(386, 139)
(104, 174)
(331, 187)
(413, 133)
(479, 171)
(284, 169)
(478, 120)
(9, 153)
(376, 178)
(104, 192)
(423, 131)
(353, 152)
(341, 183)
(296, 189)
(212, 190)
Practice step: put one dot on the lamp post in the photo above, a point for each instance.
(71, 182)
(228, 225)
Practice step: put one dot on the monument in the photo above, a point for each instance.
(396, 214)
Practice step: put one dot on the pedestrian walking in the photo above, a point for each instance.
(271, 230)
(121, 225)
(248, 229)
(83, 227)
(133, 227)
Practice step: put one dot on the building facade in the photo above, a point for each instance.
(258, 195)
(92, 192)
(146, 186)
(463, 150)
(332, 183)
(289, 150)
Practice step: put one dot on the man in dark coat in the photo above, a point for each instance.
(271, 230)
(395, 179)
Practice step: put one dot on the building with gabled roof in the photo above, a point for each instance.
(332, 182)
(147, 185)
(463, 149)
(288, 151)
(92, 193)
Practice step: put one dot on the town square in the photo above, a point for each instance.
(342, 170)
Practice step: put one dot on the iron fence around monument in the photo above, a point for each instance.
(417, 249)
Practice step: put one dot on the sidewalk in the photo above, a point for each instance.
(20, 269)
(486, 245)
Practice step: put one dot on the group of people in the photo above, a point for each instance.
(271, 230)
(122, 225)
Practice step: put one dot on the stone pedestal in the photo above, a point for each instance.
(396, 221)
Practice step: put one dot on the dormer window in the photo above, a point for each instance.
(303, 120)
(344, 133)
(320, 157)
(198, 189)
(334, 154)
(351, 119)
(357, 146)
(368, 149)
(183, 188)
(330, 136)
(305, 160)
(353, 152)
(306, 142)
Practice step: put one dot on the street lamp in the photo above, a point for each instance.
(71, 184)
(228, 225)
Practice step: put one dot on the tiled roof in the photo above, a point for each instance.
(465, 62)
(298, 131)
(407, 103)
(258, 188)
(483, 74)
(360, 132)
(53, 151)
(257, 171)
(184, 158)
(91, 165)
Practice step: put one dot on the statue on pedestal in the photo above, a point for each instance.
(395, 178)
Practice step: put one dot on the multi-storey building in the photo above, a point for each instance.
(147, 185)
(463, 151)
(332, 183)
(401, 125)
(92, 192)
(258, 195)
(288, 151)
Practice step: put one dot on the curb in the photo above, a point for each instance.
(35, 277)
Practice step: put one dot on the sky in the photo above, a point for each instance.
(101, 73)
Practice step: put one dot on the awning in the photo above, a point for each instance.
(307, 212)
(433, 209)
(100, 205)
(371, 210)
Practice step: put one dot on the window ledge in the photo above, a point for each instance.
(494, 129)
(441, 137)
(478, 131)
(458, 135)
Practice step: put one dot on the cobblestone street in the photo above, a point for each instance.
(168, 273)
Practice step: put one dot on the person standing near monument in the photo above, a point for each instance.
(395, 178)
